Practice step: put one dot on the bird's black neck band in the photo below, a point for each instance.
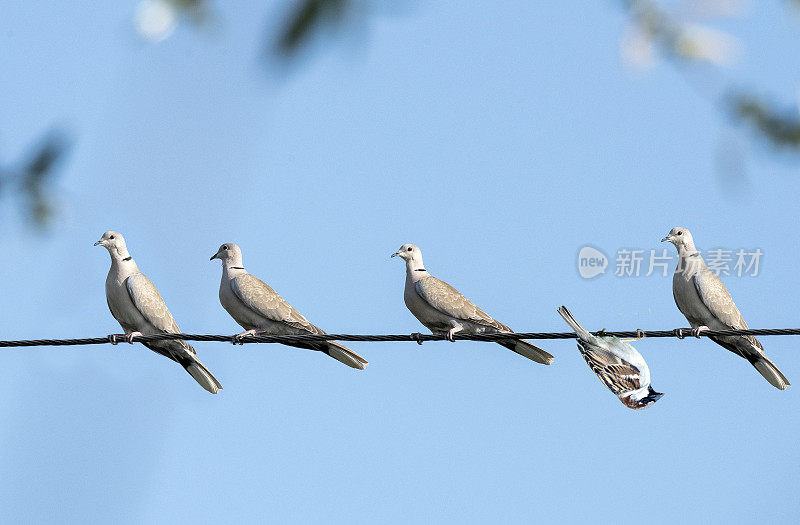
(420, 270)
(128, 258)
(236, 268)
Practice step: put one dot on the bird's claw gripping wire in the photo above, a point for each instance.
(128, 338)
(679, 333)
(450, 333)
(696, 331)
(237, 339)
(640, 334)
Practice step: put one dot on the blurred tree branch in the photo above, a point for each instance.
(34, 176)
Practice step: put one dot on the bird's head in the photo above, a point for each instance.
(228, 253)
(409, 252)
(113, 242)
(681, 238)
(639, 400)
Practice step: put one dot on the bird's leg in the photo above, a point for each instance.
(449, 334)
(127, 337)
(237, 339)
(696, 331)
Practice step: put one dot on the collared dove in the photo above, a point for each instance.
(442, 309)
(618, 365)
(261, 310)
(703, 299)
(138, 307)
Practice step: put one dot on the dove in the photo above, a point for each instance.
(443, 310)
(138, 307)
(261, 310)
(618, 365)
(706, 303)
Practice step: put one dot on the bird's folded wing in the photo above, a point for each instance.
(619, 376)
(148, 301)
(124, 320)
(717, 299)
(259, 297)
(449, 301)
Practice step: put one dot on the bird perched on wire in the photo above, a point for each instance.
(261, 310)
(706, 303)
(138, 307)
(618, 365)
(443, 310)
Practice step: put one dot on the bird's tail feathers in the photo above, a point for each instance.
(344, 355)
(532, 352)
(202, 375)
(580, 331)
(770, 372)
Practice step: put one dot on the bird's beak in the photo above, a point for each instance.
(215, 256)
(395, 254)
(98, 242)
(665, 239)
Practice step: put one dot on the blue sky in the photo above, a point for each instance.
(500, 140)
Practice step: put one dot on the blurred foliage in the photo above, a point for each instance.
(307, 18)
(780, 127)
(670, 29)
(657, 28)
(679, 37)
(677, 33)
(34, 176)
(196, 11)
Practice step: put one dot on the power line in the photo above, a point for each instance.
(419, 338)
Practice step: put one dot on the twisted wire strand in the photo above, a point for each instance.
(680, 333)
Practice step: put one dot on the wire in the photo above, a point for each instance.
(419, 338)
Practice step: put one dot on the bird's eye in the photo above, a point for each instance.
(224, 247)
(680, 233)
(409, 249)
(111, 237)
